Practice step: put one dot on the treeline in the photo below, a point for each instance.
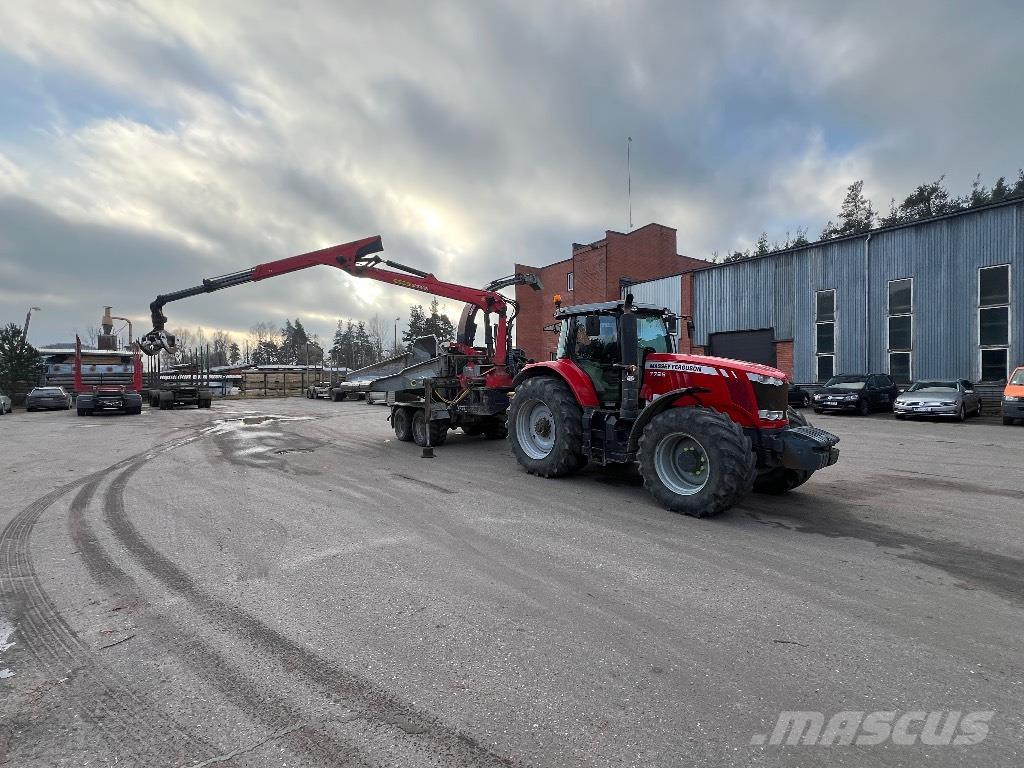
(355, 344)
(858, 214)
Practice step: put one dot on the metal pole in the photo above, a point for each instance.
(629, 183)
(428, 449)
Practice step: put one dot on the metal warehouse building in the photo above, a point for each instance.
(939, 298)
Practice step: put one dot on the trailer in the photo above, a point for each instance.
(179, 396)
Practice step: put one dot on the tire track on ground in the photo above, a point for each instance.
(452, 747)
(116, 709)
(198, 655)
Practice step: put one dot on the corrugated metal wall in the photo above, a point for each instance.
(665, 292)
(942, 256)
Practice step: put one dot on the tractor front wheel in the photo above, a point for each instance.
(696, 461)
(779, 480)
(545, 426)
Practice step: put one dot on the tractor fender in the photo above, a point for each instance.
(663, 403)
(577, 381)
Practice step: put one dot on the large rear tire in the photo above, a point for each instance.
(545, 427)
(696, 461)
(401, 420)
(438, 430)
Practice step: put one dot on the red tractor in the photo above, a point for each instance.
(703, 430)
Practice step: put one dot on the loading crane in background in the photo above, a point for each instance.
(462, 385)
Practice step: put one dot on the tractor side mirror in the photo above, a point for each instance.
(672, 325)
(592, 325)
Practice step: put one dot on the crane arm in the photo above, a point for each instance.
(357, 258)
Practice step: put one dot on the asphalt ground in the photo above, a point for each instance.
(199, 588)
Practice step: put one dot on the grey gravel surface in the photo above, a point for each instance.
(199, 588)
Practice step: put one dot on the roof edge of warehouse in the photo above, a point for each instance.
(1019, 200)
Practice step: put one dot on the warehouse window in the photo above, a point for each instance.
(994, 321)
(825, 333)
(901, 329)
(568, 282)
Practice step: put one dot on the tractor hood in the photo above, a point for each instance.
(711, 366)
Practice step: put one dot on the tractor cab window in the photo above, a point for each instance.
(597, 339)
(651, 334)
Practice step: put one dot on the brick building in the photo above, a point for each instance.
(595, 272)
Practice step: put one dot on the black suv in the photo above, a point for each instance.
(862, 393)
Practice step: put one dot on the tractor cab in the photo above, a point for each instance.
(610, 341)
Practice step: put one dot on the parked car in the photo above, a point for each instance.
(47, 399)
(956, 399)
(5, 404)
(318, 390)
(860, 392)
(1013, 397)
(799, 397)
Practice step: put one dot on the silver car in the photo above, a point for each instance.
(948, 399)
(47, 398)
(5, 404)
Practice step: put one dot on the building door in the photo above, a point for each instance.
(750, 346)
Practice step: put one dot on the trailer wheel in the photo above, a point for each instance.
(696, 461)
(85, 412)
(401, 420)
(166, 401)
(438, 430)
(545, 427)
(205, 403)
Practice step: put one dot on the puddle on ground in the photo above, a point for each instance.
(257, 440)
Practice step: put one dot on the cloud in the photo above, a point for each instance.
(150, 144)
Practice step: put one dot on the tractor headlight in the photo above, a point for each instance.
(766, 415)
(769, 380)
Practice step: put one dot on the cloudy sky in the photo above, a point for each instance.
(146, 145)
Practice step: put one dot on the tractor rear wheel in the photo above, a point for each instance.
(696, 461)
(779, 480)
(545, 426)
(401, 420)
(438, 430)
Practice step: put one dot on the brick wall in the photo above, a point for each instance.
(784, 357)
(598, 268)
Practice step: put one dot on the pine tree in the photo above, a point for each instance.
(762, 249)
(234, 353)
(19, 361)
(1000, 190)
(438, 325)
(417, 320)
(1018, 187)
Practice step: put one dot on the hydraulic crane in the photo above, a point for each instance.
(477, 378)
